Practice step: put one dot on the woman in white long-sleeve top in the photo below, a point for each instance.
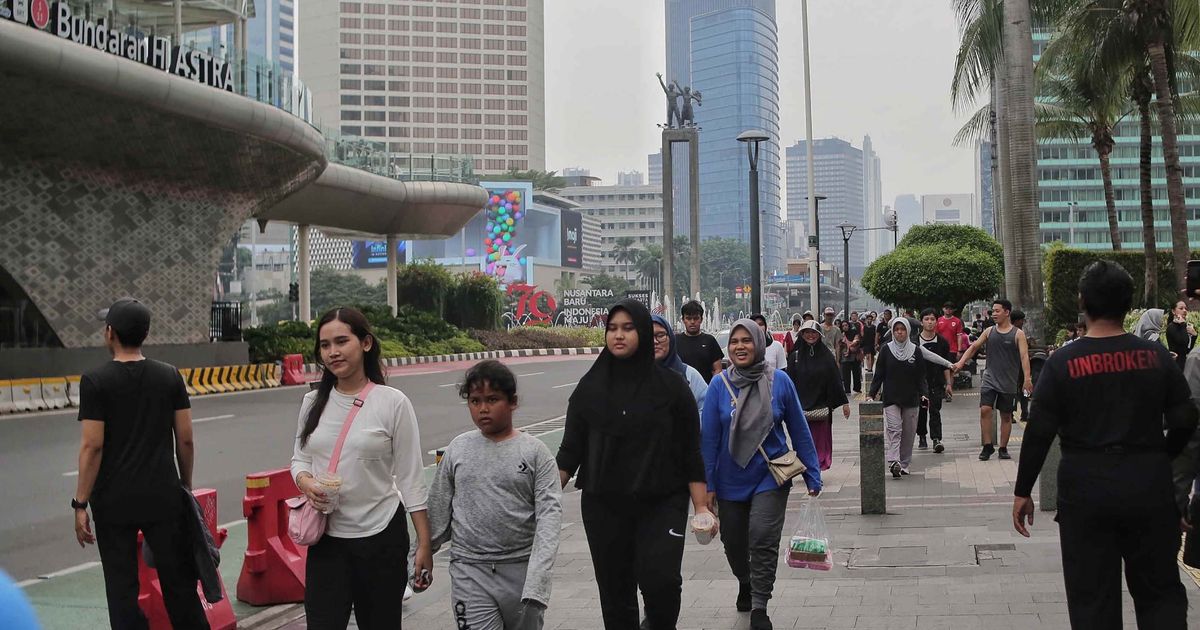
(362, 560)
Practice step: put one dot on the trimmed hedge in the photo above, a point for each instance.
(526, 337)
(1063, 265)
(424, 286)
(474, 301)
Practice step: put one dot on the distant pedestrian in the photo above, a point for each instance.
(666, 356)
(697, 348)
(831, 331)
(748, 419)
(900, 373)
(792, 338)
(808, 316)
(816, 375)
(1007, 361)
(868, 342)
(883, 330)
(940, 383)
(978, 324)
(1121, 410)
(497, 500)
(949, 327)
(850, 354)
(776, 355)
(1181, 335)
(1018, 321)
(633, 434)
(136, 427)
(1150, 324)
(361, 562)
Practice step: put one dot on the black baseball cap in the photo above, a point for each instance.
(129, 318)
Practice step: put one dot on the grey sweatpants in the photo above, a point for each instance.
(900, 426)
(750, 531)
(488, 597)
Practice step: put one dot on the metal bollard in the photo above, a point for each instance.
(1048, 480)
(870, 458)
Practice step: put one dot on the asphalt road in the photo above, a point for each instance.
(236, 434)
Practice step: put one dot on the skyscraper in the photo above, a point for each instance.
(654, 170)
(450, 78)
(271, 33)
(630, 178)
(879, 242)
(909, 212)
(728, 51)
(841, 174)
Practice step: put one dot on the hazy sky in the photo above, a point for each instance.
(879, 67)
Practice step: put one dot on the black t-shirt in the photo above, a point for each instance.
(868, 338)
(852, 332)
(136, 401)
(935, 374)
(883, 332)
(1098, 393)
(699, 352)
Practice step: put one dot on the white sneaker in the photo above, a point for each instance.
(408, 592)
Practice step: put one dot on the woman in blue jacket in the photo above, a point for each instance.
(749, 406)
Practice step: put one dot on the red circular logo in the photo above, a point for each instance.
(39, 11)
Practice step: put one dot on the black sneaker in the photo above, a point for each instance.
(986, 453)
(1004, 453)
(938, 447)
(895, 468)
(759, 620)
(922, 444)
(743, 598)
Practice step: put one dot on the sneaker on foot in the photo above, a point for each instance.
(895, 468)
(986, 453)
(759, 620)
(743, 598)
(938, 447)
(904, 471)
(922, 443)
(1004, 453)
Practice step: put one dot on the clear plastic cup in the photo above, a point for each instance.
(331, 485)
(705, 527)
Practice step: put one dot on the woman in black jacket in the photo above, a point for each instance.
(632, 432)
(1181, 336)
(818, 382)
(900, 371)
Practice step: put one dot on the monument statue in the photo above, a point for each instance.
(689, 116)
(673, 93)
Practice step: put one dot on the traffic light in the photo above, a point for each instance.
(294, 292)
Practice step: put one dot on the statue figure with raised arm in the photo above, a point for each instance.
(689, 115)
(673, 93)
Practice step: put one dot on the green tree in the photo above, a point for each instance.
(958, 236)
(648, 264)
(624, 253)
(548, 181)
(724, 264)
(600, 282)
(928, 275)
(331, 289)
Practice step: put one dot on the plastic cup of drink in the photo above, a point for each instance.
(331, 485)
(705, 526)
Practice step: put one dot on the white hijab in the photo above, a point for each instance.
(902, 351)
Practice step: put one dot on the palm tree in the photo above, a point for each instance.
(1141, 88)
(624, 253)
(648, 264)
(547, 181)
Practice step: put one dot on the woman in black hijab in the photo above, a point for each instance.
(632, 432)
(818, 381)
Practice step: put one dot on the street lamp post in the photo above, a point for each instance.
(753, 138)
(814, 243)
(848, 230)
(814, 285)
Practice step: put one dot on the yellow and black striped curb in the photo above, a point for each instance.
(62, 392)
(313, 368)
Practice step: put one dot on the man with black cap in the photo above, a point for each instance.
(136, 425)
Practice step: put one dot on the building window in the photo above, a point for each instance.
(351, 114)
(351, 99)
(351, 130)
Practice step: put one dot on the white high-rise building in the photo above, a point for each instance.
(953, 209)
(879, 241)
(452, 77)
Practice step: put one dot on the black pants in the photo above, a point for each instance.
(852, 370)
(176, 573)
(750, 531)
(929, 420)
(368, 574)
(637, 543)
(1095, 540)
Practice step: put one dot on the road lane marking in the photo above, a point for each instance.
(73, 473)
(211, 418)
(450, 385)
(240, 521)
(531, 374)
(565, 385)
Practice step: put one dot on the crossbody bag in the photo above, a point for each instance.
(306, 524)
(783, 468)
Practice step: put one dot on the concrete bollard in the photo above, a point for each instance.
(867, 378)
(1048, 480)
(870, 458)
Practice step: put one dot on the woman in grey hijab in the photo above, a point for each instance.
(750, 412)
(900, 372)
(1149, 326)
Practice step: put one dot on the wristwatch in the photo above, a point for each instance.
(78, 505)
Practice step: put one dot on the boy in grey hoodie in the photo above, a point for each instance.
(497, 499)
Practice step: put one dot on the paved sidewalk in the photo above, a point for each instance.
(945, 555)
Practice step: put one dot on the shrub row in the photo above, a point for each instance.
(539, 337)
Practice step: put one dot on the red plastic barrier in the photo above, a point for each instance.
(293, 369)
(273, 570)
(220, 615)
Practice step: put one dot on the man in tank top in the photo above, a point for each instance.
(1007, 366)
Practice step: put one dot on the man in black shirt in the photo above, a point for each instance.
(698, 349)
(136, 423)
(1108, 398)
(929, 420)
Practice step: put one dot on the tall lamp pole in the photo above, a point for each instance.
(814, 288)
(753, 138)
(814, 244)
(848, 230)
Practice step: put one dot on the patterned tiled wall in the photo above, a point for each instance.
(99, 200)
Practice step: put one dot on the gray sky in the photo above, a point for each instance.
(879, 67)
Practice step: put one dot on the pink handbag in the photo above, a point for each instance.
(306, 524)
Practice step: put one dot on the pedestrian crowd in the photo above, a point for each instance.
(663, 426)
